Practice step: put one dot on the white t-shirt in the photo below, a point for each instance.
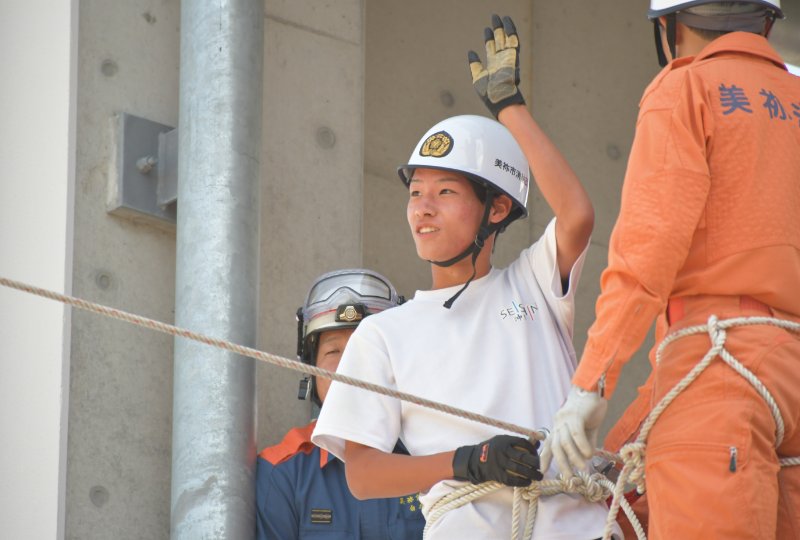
(503, 350)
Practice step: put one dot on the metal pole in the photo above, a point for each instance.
(213, 441)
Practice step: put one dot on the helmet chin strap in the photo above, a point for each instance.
(671, 25)
(484, 231)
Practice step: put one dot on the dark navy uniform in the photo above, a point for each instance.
(301, 492)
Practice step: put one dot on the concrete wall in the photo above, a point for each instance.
(312, 178)
(119, 440)
(785, 36)
(121, 385)
(590, 67)
(118, 476)
(37, 136)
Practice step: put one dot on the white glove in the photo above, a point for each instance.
(574, 434)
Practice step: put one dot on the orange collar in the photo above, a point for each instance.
(295, 441)
(741, 43)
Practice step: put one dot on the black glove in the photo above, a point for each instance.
(510, 460)
(497, 84)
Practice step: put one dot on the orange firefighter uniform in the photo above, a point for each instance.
(710, 224)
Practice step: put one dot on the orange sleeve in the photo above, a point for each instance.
(663, 198)
(627, 426)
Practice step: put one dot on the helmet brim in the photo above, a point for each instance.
(658, 12)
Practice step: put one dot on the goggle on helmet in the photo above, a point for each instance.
(337, 300)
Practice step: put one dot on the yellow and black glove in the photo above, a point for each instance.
(497, 83)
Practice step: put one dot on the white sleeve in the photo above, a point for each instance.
(354, 414)
(542, 257)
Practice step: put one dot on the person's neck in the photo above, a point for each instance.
(689, 42)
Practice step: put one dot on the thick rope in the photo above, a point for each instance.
(268, 358)
(594, 488)
(633, 454)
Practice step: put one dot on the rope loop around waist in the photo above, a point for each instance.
(633, 454)
(717, 331)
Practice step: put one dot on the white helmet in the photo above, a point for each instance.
(341, 299)
(485, 152)
(663, 7)
(338, 300)
(742, 15)
(481, 149)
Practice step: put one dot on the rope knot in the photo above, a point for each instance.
(632, 455)
(633, 452)
(573, 484)
(593, 490)
(589, 486)
(716, 331)
(532, 492)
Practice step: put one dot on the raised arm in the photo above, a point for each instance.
(497, 84)
(558, 184)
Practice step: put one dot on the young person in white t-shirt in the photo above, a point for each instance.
(497, 342)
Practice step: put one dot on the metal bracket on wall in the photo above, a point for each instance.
(143, 182)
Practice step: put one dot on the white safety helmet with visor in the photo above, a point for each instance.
(338, 300)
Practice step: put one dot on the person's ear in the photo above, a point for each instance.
(501, 207)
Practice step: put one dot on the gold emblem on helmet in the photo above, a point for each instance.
(350, 314)
(437, 145)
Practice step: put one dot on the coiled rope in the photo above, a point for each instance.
(593, 487)
(633, 454)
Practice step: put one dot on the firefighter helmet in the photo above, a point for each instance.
(663, 7)
(337, 300)
(481, 149)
